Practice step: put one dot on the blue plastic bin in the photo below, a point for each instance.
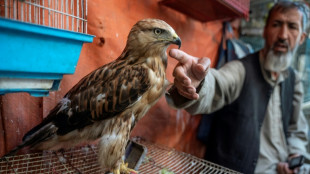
(33, 58)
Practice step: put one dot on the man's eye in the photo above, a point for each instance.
(275, 24)
(293, 26)
(157, 31)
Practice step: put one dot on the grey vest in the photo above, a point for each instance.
(233, 140)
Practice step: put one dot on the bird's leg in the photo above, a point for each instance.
(125, 170)
(116, 171)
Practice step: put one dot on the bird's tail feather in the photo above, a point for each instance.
(37, 137)
(13, 151)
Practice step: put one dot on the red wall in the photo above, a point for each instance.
(110, 21)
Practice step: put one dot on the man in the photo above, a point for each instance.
(258, 123)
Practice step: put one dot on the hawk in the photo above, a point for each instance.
(108, 102)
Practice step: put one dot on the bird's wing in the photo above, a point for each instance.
(102, 94)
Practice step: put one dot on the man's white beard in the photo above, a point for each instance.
(277, 62)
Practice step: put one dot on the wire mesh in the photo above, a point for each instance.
(75, 160)
(84, 160)
(62, 14)
(159, 158)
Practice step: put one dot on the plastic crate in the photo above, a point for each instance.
(34, 58)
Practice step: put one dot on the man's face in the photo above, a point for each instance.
(283, 34)
(284, 31)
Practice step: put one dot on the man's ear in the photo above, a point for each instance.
(302, 38)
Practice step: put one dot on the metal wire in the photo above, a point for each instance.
(84, 160)
(160, 157)
(62, 14)
(76, 160)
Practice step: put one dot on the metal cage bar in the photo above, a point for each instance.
(85, 160)
(62, 14)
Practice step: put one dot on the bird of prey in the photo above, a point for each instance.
(108, 102)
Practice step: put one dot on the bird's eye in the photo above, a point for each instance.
(157, 31)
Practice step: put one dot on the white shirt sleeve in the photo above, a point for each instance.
(298, 128)
(219, 88)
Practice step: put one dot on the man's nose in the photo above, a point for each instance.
(283, 33)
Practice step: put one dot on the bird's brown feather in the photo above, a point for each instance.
(108, 102)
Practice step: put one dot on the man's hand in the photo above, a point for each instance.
(188, 73)
(282, 168)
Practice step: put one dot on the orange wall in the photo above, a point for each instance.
(110, 21)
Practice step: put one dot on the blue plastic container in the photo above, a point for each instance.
(33, 58)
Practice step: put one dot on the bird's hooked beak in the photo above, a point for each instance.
(176, 40)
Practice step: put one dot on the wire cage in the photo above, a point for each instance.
(158, 159)
(63, 14)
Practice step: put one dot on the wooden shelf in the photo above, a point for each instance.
(210, 10)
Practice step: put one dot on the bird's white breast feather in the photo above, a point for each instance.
(109, 137)
(123, 87)
(154, 77)
(133, 117)
(64, 104)
(139, 98)
(100, 97)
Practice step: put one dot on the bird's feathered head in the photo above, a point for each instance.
(152, 34)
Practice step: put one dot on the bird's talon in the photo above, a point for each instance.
(125, 170)
(116, 171)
